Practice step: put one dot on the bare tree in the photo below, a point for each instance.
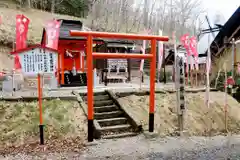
(167, 15)
(187, 9)
(145, 13)
(29, 3)
(53, 6)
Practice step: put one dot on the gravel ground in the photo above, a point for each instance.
(140, 147)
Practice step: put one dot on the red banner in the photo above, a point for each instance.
(185, 42)
(22, 23)
(229, 82)
(193, 49)
(193, 46)
(52, 33)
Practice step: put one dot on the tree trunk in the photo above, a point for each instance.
(53, 6)
(145, 14)
(29, 4)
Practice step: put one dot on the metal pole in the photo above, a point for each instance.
(233, 59)
(225, 99)
(175, 60)
(181, 93)
(208, 70)
(159, 57)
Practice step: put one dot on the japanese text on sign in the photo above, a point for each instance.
(38, 60)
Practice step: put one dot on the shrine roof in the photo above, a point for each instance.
(31, 48)
(231, 29)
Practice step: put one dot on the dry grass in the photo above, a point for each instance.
(63, 120)
(197, 115)
(226, 57)
(6, 62)
(37, 18)
(8, 12)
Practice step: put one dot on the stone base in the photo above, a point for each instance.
(94, 143)
(9, 86)
(150, 135)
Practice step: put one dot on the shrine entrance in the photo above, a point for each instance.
(74, 74)
(91, 55)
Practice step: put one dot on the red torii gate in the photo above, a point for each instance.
(90, 55)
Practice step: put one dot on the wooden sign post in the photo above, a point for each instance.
(180, 92)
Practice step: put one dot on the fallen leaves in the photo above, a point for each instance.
(51, 146)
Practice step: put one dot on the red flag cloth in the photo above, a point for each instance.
(22, 23)
(17, 64)
(193, 46)
(52, 33)
(230, 81)
(193, 49)
(0, 19)
(185, 42)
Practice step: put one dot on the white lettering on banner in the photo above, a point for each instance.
(38, 60)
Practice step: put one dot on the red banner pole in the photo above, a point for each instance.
(40, 110)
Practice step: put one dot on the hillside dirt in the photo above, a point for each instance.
(6, 62)
(64, 126)
(38, 18)
(199, 120)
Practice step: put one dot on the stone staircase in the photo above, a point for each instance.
(112, 120)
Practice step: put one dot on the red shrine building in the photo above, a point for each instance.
(71, 50)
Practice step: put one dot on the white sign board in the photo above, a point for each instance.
(38, 60)
(117, 63)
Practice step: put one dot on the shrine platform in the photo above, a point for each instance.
(67, 92)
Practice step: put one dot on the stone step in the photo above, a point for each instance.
(105, 109)
(103, 103)
(119, 135)
(112, 121)
(116, 128)
(96, 94)
(99, 98)
(107, 115)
